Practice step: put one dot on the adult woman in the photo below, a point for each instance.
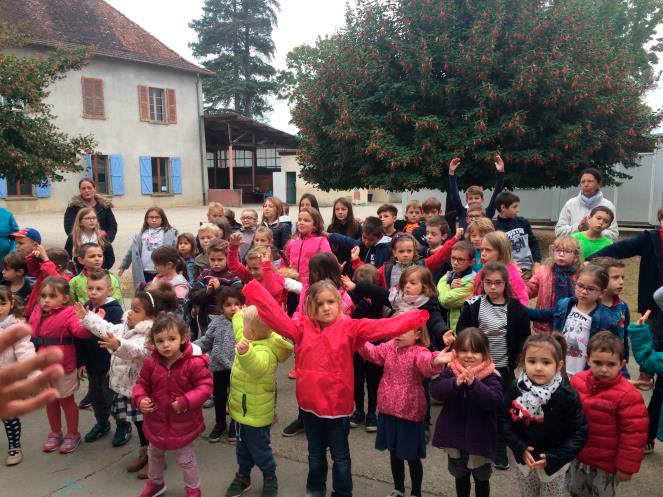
(343, 222)
(89, 198)
(573, 216)
(8, 226)
(272, 210)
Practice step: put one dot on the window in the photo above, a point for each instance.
(160, 175)
(19, 189)
(99, 173)
(157, 105)
(93, 98)
(268, 158)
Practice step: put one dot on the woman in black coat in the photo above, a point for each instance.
(89, 198)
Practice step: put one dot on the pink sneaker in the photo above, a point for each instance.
(152, 490)
(193, 492)
(53, 441)
(70, 443)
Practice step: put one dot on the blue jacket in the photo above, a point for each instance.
(376, 255)
(602, 317)
(7, 227)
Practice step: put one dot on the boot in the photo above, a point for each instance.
(141, 474)
(139, 462)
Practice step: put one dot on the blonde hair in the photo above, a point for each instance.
(567, 242)
(474, 190)
(77, 231)
(252, 321)
(483, 225)
(211, 227)
(215, 206)
(413, 204)
(500, 242)
(315, 289)
(256, 253)
(424, 337)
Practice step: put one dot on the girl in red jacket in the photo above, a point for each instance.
(325, 341)
(170, 392)
(55, 324)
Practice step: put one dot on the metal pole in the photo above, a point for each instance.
(230, 165)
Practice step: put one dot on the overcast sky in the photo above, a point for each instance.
(300, 21)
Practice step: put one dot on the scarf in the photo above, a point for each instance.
(401, 302)
(563, 284)
(591, 202)
(528, 407)
(480, 371)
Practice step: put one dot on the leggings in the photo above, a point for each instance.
(68, 405)
(463, 487)
(398, 472)
(13, 430)
(141, 435)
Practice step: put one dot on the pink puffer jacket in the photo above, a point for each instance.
(542, 286)
(299, 251)
(189, 382)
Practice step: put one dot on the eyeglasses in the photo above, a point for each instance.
(559, 251)
(248, 218)
(493, 283)
(458, 259)
(588, 289)
(153, 217)
(90, 218)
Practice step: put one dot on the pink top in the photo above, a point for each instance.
(298, 253)
(518, 288)
(178, 282)
(272, 281)
(401, 391)
(542, 286)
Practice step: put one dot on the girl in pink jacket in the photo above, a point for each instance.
(307, 242)
(401, 401)
(170, 392)
(55, 324)
(325, 341)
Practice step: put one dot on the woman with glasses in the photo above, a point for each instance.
(88, 197)
(87, 230)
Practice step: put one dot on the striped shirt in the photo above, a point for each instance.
(492, 321)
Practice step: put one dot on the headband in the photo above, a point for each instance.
(151, 300)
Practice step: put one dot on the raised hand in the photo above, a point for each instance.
(459, 233)
(643, 319)
(242, 347)
(499, 164)
(354, 253)
(448, 338)
(444, 357)
(80, 310)
(349, 285)
(453, 165)
(236, 239)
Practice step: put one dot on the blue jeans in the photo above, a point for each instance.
(333, 433)
(253, 449)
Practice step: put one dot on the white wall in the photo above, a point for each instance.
(123, 133)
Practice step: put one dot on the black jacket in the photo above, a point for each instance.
(524, 244)
(648, 246)
(281, 232)
(109, 254)
(419, 234)
(105, 216)
(377, 255)
(96, 359)
(341, 254)
(561, 436)
(517, 325)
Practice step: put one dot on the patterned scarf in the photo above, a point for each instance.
(528, 407)
(401, 302)
(480, 371)
(564, 286)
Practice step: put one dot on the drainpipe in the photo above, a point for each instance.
(203, 145)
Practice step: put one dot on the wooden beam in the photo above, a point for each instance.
(240, 137)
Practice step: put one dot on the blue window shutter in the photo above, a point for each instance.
(3, 187)
(43, 191)
(88, 166)
(145, 175)
(176, 171)
(117, 174)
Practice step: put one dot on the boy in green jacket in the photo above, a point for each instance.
(455, 287)
(91, 257)
(253, 398)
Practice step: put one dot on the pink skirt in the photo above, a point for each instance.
(67, 385)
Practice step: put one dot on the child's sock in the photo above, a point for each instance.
(463, 486)
(398, 472)
(416, 475)
(13, 430)
(54, 417)
(482, 488)
(70, 414)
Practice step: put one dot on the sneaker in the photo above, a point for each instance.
(152, 490)
(215, 435)
(270, 487)
(98, 431)
(371, 423)
(357, 418)
(238, 486)
(232, 433)
(70, 443)
(85, 402)
(14, 457)
(396, 493)
(649, 447)
(193, 492)
(209, 402)
(294, 428)
(139, 462)
(53, 441)
(292, 374)
(122, 435)
(502, 465)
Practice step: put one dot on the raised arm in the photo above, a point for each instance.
(239, 269)
(371, 330)
(453, 187)
(624, 249)
(375, 353)
(270, 312)
(254, 362)
(499, 185)
(344, 242)
(100, 327)
(540, 315)
(439, 257)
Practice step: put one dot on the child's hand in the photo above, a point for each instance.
(109, 342)
(469, 377)
(499, 164)
(360, 220)
(236, 239)
(146, 405)
(267, 256)
(460, 379)
(176, 407)
(621, 476)
(643, 319)
(242, 347)
(540, 464)
(354, 253)
(448, 338)
(444, 357)
(213, 284)
(527, 457)
(459, 233)
(457, 283)
(453, 165)
(349, 285)
(81, 373)
(80, 310)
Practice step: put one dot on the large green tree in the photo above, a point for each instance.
(406, 85)
(32, 148)
(235, 42)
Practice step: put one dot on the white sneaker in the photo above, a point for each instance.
(396, 493)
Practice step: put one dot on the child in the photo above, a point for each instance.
(431, 208)
(457, 285)
(55, 324)
(437, 232)
(229, 214)
(272, 210)
(215, 211)
(259, 266)
(26, 240)
(86, 230)
(344, 223)
(253, 398)
(325, 386)
(170, 391)
(543, 419)
(41, 264)
(524, 244)
(11, 314)
(126, 343)
(617, 419)
(14, 273)
(373, 247)
(475, 233)
(96, 360)
(169, 267)
(248, 230)
(555, 278)
(219, 342)
(388, 215)
(495, 247)
(474, 213)
(224, 228)
(91, 258)
(466, 428)
(592, 240)
(206, 233)
(156, 232)
(402, 403)
(474, 194)
(307, 242)
(186, 247)
(413, 216)
(579, 318)
(265, 238)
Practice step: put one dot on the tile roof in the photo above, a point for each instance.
(91, 22)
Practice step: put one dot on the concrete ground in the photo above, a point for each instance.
(98, 469)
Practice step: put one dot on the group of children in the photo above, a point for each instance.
(400, 307)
